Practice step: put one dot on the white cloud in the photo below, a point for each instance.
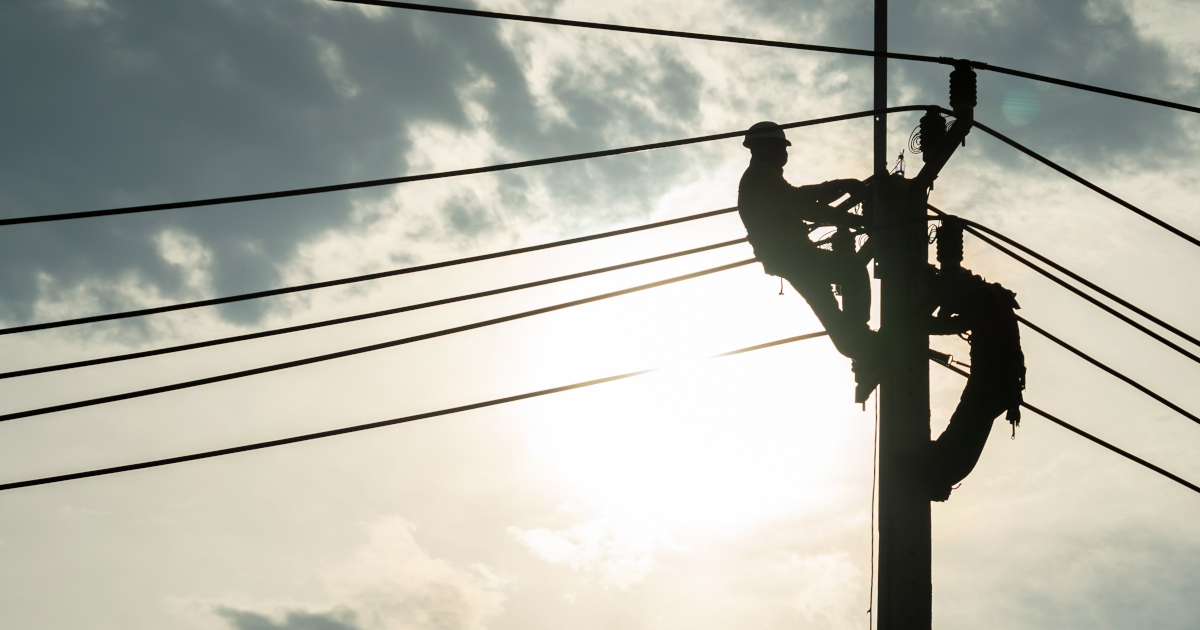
(621, 554)
(188, 253)
(829, 585)
(390, 583)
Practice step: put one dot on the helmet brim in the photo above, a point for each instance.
(751, 141)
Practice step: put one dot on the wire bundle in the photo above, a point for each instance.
(963, 84)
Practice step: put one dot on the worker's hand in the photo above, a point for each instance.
(852, 186)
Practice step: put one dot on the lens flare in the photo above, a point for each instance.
(1021, 106)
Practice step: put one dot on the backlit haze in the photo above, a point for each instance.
(725, 493)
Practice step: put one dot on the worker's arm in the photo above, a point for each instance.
(815, 199)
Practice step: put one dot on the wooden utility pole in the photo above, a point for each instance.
(905, 593)
(905, 587)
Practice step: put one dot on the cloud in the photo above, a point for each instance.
(121, 102)
(1090, 41)
(620, 553)
(391, 583)
(1089, 575)
(828, 589)
(146, 101)
(292, 620)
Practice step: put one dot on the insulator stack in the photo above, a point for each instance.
(963, 89)
(950, 244)
(933, 132)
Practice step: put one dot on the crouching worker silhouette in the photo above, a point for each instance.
(777, 216)
(969, 304)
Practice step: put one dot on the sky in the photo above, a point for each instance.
(732, 492)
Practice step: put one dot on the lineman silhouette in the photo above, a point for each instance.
(777, 217)
(970, 304)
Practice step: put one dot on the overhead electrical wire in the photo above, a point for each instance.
(1142, 388)
(1076, 277)
(499, 401)
(841, 50)
(1105, 307)
(359, 350)
(1136, 385)
(600, 26)
(91, 319)
(360, 317)
(1093, 187)
(595, 154)
(1077, 291)
(1077, 431)
(312, 190)
(979, 65)
(371, 425)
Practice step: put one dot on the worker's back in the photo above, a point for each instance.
(768, 205)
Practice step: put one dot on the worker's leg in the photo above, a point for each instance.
(850, 338)
(954, 455)
(812, 273)
(847, 325)
(850, 272)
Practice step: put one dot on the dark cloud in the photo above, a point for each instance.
(150, 101)
(1089, 41)
(294, 620)
(1092, 42)
(126, 102)
(121, 102)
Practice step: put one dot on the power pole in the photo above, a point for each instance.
(905, 585)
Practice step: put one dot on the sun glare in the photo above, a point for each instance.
(701, 445)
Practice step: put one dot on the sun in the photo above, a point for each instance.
(700, 445)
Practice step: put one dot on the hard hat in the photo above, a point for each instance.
(765, 130)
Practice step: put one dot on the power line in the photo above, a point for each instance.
(1111, 197)
(1082, 433)
(355, 318)
(1079, 353)
(1076, 277)
(1106, 308)
(360, 350)
(372, 425)
(841, 50)
(296, 192)
(514, 17)
(1083, 86)
(1073, 289)
(341, 281)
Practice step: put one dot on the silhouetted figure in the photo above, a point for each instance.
(970, 304)
(777, 217)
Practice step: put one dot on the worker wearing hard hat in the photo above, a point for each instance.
(777, 217)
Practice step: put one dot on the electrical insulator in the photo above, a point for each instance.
(963, 91)
(933, 132)
(950, 244)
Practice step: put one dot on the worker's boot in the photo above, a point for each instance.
(939, 493)
(867, 365)
(866, 379)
